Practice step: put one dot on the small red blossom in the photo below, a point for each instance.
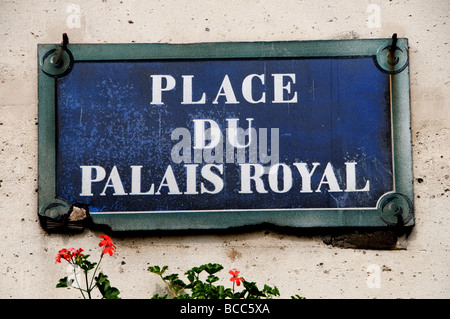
(77, 253)
(68, 254)
(235, 277)
(109, 248)
(63, 253)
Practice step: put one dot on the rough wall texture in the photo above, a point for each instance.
(315, 265)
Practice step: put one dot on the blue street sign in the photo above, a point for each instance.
(147, 141)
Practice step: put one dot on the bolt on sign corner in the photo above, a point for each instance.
(219, 135)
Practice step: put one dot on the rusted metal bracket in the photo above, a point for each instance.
(392, 58)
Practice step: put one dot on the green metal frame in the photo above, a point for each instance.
(394, 209)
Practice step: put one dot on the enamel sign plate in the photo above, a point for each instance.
(219, 135)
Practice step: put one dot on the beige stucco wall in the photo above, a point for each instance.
(296, 264)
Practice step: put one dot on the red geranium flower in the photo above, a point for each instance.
(109, 246)
(77, 253)
(63, 253)
(235, 277)
(68, 254)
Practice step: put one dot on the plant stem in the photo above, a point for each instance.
(168, 287)
(90, 287)
(76, 279)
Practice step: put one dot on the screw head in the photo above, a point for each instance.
(57, 62)
(392, 62)
(395, 207)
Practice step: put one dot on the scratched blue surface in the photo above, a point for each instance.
(104, 117)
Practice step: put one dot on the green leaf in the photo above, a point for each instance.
(269, 291)
(223, 293)
(198, 270)
(239, 295)
(157, 270)
(213, 268)
(171, 277)
(84, 263)
(103, 284)
(64, 283)
(178, 285)
(112, 293)
(253, 291)
(191, 275)
(211, 279)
